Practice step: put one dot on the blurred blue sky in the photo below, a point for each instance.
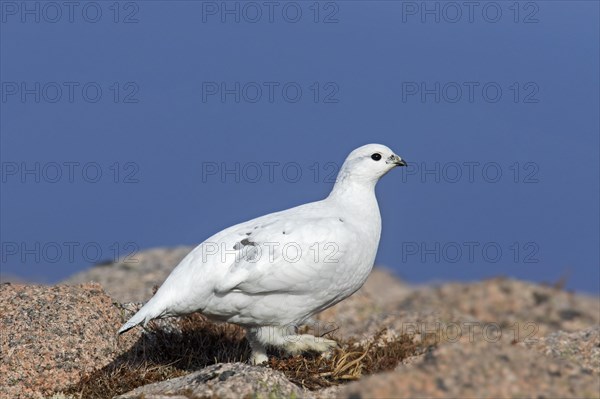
(199, 115)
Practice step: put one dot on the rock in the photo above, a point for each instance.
(374, 301)
(506, 309)
(522, 309)
(477, 369)
(133, 279)
(231, 380)
(580, 347)
(51, 335)
(495, 338)
(443, 325)
(13, 279)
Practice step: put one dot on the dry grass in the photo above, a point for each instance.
(161, 355)
(348, 363)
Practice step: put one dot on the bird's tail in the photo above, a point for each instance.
(144, 315)
(137, 319)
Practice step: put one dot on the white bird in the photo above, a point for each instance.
(273, 273)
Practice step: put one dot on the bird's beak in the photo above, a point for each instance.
(396, 160)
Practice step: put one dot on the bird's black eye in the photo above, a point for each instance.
(376, 156)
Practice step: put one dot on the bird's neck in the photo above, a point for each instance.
(357, 196)
(357, 201)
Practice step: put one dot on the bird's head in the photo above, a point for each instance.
(369, 163)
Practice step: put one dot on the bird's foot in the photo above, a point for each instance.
(258, 347)
(257, 358)
(295, 344)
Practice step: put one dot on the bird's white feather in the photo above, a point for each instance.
(286, 266)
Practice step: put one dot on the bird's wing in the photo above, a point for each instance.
(291, 255)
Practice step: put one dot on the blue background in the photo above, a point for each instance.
(164, 130)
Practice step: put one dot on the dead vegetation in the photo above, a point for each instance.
(196, 342)
(162, 354)
(348, 363)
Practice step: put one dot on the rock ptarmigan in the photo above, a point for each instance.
(275, 272)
